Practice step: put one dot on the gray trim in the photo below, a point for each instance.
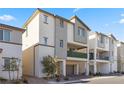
(10, 42)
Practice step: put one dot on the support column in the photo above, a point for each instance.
(87, 68)
(87, 63)
(95, 67)
(64, 67)
(95, 64)
(77, 69)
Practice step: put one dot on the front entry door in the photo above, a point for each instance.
(69, 69)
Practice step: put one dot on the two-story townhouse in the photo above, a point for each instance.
(120, 56)
(113, 53)
(99, 53)
(49, 34)
(10, 48)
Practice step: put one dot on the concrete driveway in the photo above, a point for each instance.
(101, 80)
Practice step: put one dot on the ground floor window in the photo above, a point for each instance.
(10, 64)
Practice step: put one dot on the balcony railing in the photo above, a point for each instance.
(101, 45)
(76, 54)
(98, 57)
(102, 58)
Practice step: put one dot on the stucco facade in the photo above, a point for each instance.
(53, 35)
(120, 56)
(103, 53)
(11, 47)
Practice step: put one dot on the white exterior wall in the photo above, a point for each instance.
(33, 33)
(92, 41)
(114, 66)
(47, 30)
(41, 51)
(10, 50)
(103, 68)
(70, 32)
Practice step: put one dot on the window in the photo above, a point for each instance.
(6, 63)
(10, 64)
(101, 39)
(1, 34)
(61, 23)
(81, 32)
(112, 41)
(61, 43)
(26, 31)
(5, 35)
(45, 19)
(45, 40)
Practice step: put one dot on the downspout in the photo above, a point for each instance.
(34, 59)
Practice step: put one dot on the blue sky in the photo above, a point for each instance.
(105, 20)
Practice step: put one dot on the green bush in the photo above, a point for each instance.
(66, 78)
(3, 79)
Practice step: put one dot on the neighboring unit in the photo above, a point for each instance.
(103, 53)
(10, 50)
(48, 34)
(120, 56)
(113, 53)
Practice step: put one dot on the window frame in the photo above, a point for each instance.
(26, 32)
(15, 69)
(45, 19)
(3, 36)
(102, 39)
(45, 40)
(61, 23)
(61, 43)
(81, 32)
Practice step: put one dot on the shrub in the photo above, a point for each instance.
(66, 78)
(25, 81)
(3, 79)
(57, 77)
(97, 74)
(17, 82)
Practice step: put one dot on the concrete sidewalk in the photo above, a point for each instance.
(82, 80)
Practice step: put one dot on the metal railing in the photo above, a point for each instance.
(76, 54)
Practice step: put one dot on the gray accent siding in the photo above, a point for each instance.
(60, 34)
(78, 38)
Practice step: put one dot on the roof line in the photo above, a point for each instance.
(13, 27)
(80, 21)
(41, 10)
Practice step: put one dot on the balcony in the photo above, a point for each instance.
(101, 45)
(102, 58)
(76, 54)
(98, 57)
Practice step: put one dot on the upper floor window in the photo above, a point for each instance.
(45, 19)
(61, 43)
(5, 35)
(45, 40)
(26, 31)
(61, 23)
(81, 32)
(112, 41)
(102, 39)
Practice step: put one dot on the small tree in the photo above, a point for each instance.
(12, 66)
(50, 66)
